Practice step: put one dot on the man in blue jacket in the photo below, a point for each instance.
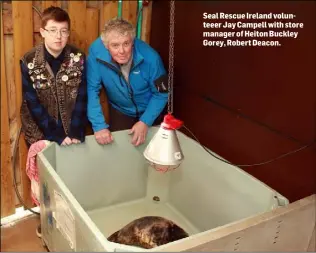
(135, 81)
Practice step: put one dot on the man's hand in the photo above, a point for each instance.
(67, 141)
(103, 136)
(140, 131)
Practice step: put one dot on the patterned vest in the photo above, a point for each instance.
(55, 93)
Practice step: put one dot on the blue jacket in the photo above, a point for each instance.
(147, 79)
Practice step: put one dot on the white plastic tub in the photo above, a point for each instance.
(89, 191)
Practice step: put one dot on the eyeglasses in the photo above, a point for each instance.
(54, 32)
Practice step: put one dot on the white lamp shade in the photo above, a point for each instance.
(164, 149)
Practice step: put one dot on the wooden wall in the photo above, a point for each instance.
(19, 33)
(248, 104)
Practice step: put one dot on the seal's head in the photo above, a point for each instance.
(148, 232)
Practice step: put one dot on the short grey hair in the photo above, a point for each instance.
(119, 25)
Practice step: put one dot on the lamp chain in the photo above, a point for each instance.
(171, 57)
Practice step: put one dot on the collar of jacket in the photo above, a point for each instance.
(104, 54)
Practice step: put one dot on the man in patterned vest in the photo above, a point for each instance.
(54, 85)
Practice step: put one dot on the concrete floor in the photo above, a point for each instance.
(21, 236)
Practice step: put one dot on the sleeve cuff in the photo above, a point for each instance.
(146, 121)
(98, 128)
(58, 136)
(79, 135)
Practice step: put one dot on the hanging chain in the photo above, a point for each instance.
(171, 57)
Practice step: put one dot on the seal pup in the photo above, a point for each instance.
(148, 232)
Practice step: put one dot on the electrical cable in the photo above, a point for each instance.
(37, 10)
(242, 115)
(255, 164)
(14, 173)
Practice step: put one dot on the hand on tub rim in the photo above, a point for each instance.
(103, 136)
(139, 131)
(68, 141)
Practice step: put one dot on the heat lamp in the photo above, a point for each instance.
(163, 151)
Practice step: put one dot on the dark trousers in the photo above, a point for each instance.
(120, 121)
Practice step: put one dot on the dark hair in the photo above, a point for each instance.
(55, 13)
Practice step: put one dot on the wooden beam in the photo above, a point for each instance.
(11, 100)
(7, 192)
(93, 4)
(129, 11)
(78, 23)
(37, 21)
(92, 23)
(47, 4)
(146, 24)
(23, 41)
(8, 22)
(91, 35)
(9, 63)
(108, 10)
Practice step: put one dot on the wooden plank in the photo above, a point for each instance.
(23, 41)
(13, 134)
(287, 228)
(7, 193)
(146, 24)
(93, 4)
(17, 201)
(8, 22)
(92, 23)
(6, 5)
(92, 34)
(47, 4)
(9, 62)
(78, 23)
(64, 5)
(13, 138)
(108, 10)
(37, 21)
(129, 11)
